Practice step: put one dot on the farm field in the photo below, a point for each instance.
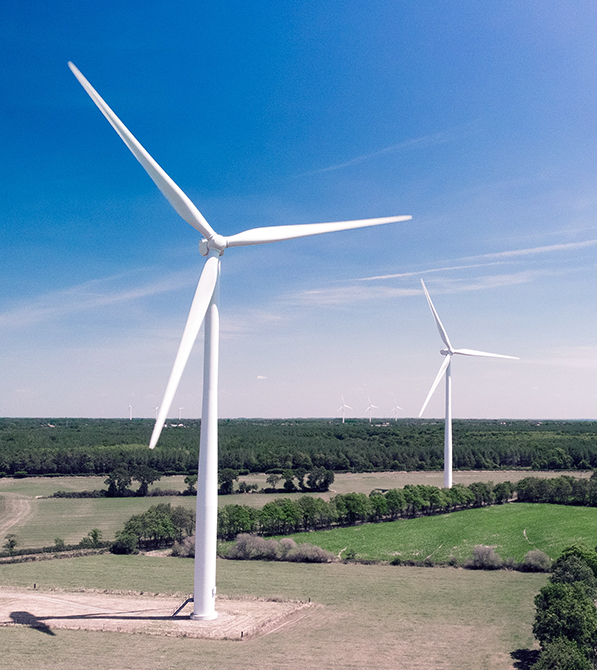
(371, 616)
(39, 520)
(512, 529)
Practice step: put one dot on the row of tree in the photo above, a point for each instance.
(563, 490)
(286, 515)
(99, 446)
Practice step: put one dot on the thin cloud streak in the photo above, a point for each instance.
(83, 297)
(426, 141)
(357, 293)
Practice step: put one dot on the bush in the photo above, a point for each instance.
(562, 654)
(535, 561)
(125, 543)
(185, 548)
(484, 558)
(254, 548)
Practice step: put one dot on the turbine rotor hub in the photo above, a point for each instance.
(445, 352)
(216, 243)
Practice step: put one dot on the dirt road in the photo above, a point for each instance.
(17, 509)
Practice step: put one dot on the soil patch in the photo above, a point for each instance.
(150, 614)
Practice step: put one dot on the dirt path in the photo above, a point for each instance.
(17, 508)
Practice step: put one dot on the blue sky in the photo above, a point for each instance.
(478, 119)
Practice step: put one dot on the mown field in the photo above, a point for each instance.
(72, 518)
(371, 617)
(512, 529)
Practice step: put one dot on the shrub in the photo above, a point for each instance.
(535, 561)
(309, 553)
(562, 654)
(125, 543)
(254, 548)
(484, 558)
(185, 548)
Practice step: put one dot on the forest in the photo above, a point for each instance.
(98, 446)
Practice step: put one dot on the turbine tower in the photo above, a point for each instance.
(205, 307)
(446, 368)
(370, 407)
(343, 408)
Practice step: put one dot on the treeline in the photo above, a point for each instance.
(286, 515)
(99, 446)
(563, 490)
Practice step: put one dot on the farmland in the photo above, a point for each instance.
(419, 618)
(72, 518)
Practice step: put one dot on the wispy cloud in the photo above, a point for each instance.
(426, 141)
(354, 293)
(552, 248)
(94, 294)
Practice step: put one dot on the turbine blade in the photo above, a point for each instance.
(279, 233)
(442, 331)
(440, 374)
(176, 197)
(347, 407)
(203, 295)
(472, 352)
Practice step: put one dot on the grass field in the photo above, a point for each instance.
(72, 518)
(372, 617)
(512, 529)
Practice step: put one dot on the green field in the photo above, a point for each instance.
(371, 616)
(513, 530)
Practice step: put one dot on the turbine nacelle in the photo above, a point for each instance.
(445, 352)
(216, 243)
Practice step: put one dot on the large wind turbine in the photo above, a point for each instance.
(205, 307)
(343, 409)
(446, 368)
(395, 410)
(370, 408)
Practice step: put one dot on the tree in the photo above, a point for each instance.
(59, 544)
(562, 654)
(288, 477)
(11, 543)
(191, 482)
(573, 569)
(272, 480)
(226, 479)
(118, 482)
(564, 610)
(145, 476)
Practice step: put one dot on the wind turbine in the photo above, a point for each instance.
(205, 306)
(395, 410)
(371, 407)
(343, 408)
(446, 368)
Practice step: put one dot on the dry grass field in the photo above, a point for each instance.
(369, 617)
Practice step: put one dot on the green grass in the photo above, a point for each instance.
(549, 528)
(371, 616)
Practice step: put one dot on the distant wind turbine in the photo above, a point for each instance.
(370, 407)
(130, 412)
(343, 408)
(180, 413)
(205, 306)
(446, 368)
(395, 410)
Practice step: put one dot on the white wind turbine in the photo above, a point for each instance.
(370, 408)
(446, 368)
(395, 410)
(343, 408)
(205, 307)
